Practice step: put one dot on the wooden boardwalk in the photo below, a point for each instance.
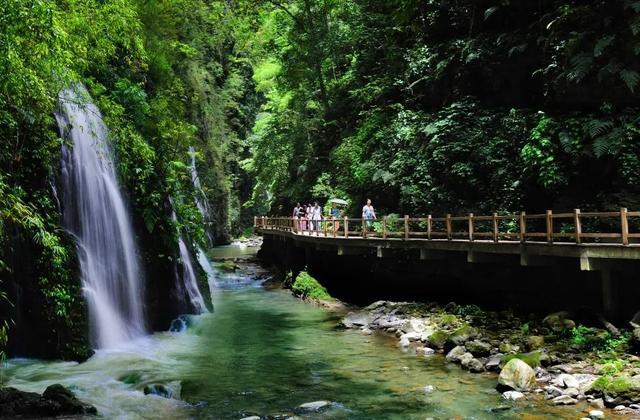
(550, 228)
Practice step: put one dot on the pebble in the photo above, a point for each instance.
(598, 403)
(512, 395)
(619, 408)
(596, 414)
(635, 406)
(251, 418)
(429, 389)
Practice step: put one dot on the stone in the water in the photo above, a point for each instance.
(429, 389)
(596, 414)
(512, 395)
(517, 375)
(159, 390)
(314, 405)
(427, 351)
(251, 418)
(478, 348)
(493, 363)
(564, 400)
(456, 353)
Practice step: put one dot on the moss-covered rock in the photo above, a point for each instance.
(621, 389)
(438, 339)
(532, 358)
(559, 321)
(535, 342)
(463, 334)
(307, 287)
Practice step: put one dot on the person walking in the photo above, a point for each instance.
(308, 216)
(296, 217)
(368, 214)
(335, 215)
(317, 216)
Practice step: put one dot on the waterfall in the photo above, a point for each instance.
(202, 204)
(206, 266)
(187, 284)
(201, 198)
(95, 213)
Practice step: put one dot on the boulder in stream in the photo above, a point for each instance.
(517, 375)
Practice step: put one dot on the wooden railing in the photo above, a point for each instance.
(548, 227)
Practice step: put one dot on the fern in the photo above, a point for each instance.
(630, 78)
(580, 67)
(602, 45)
(597, 128)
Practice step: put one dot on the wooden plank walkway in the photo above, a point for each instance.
(581, 228)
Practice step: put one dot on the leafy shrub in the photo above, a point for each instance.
(307, 287)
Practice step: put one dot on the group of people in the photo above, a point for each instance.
(309, 217)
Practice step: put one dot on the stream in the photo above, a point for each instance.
(263, 352)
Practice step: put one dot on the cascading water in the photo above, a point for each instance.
(95, 213)
(206, 266)
(188, 287)
(201, 202)
(201, 197)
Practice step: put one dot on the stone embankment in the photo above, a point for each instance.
(553, 356)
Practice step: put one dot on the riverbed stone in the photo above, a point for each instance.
(478, 348)
(512, 395)
(428, 389)
(437, 339)
(596, 414)
(473, 365)
(552, 391)
(314, 405)
(462, 335)
(618, 390)
(564, 400)
(427, 351)
(517, 375)
(355, 320)
(456, 353)
(535, 342)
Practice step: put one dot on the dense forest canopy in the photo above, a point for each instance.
(425, 106)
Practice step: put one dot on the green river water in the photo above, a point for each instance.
(263, 352)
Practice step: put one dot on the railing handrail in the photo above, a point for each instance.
(475, 226)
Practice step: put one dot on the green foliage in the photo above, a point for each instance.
(307, 287)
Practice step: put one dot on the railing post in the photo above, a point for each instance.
(471, 227)
(384, 227)
(578, 226)
(255, 222)
(523, 227)
(346, 227)
(263, 221)
(324, 220)
(549, 219)
(365, 228)
(335, 226)
(624, 223)
(429, 227)
(406, 227)
(494, 218)
(449, 230)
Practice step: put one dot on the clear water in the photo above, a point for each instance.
(95, 212)
(263, 352)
